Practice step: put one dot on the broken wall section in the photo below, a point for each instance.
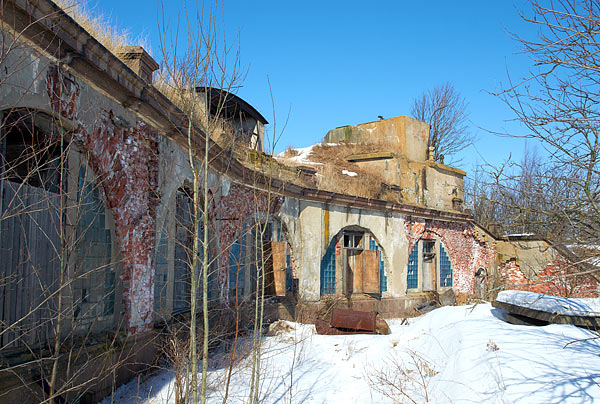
(534, 265)
(466, 252)
(123, 154)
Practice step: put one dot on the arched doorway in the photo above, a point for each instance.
(353, 263)
(429, 268)
(258, 246)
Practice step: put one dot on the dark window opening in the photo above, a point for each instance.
(353, 241)
(184, 238)
(428, 250)
(32, 154)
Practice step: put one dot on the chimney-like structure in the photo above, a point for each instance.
(138, 60)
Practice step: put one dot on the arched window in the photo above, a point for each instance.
(237, 265)
(260, 246)
(96, 282)
(429, 267)
(353, 264)
(161, 268)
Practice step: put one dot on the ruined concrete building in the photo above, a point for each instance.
(95, 213)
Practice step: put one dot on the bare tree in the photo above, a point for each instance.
(446, 111)
(520, 197)
(200, 82)
(559, 104)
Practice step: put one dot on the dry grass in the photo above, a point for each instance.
(336, 155)
(115, 40)
(100, 28)
(290, 152)
(334, 160)
(221, 130)
(404, 378)
(364, 184)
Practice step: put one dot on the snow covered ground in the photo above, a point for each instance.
(552, 304)
(464, 354)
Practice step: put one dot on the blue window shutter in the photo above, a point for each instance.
(445, 268)
(412, 276)
(382, 277)
(328, 269)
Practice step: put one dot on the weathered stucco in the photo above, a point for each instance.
(140, 165)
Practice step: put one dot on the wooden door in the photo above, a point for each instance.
(278, 253)
(355, 270)
(371, 271)
(363, 270)
(268, 267)
(429, 266)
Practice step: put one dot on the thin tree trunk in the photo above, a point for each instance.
(58, 330)
(194, 263)
(205, 277)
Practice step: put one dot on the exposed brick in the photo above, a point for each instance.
(465, 252)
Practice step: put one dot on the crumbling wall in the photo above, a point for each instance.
(466, 252)
(236, 204)
(124, 159)
(559, 277)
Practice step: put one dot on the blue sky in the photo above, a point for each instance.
(334, 63)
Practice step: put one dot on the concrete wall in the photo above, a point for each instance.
(403, 135)
(150, 168)
(444, 187)
(422, 182)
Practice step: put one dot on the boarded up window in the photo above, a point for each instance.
(29, 264)
(30, 242)
(363, 267)
(277, 267)
(382, 275)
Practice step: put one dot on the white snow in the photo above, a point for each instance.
(349, 173)
(303, 154)
(551, 304)
(301, 157)
(464, 354)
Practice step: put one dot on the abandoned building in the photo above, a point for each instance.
(96, 210)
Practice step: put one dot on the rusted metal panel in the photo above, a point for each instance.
(353, 319)
(324, 328)
(278, 250)
(371, 271)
